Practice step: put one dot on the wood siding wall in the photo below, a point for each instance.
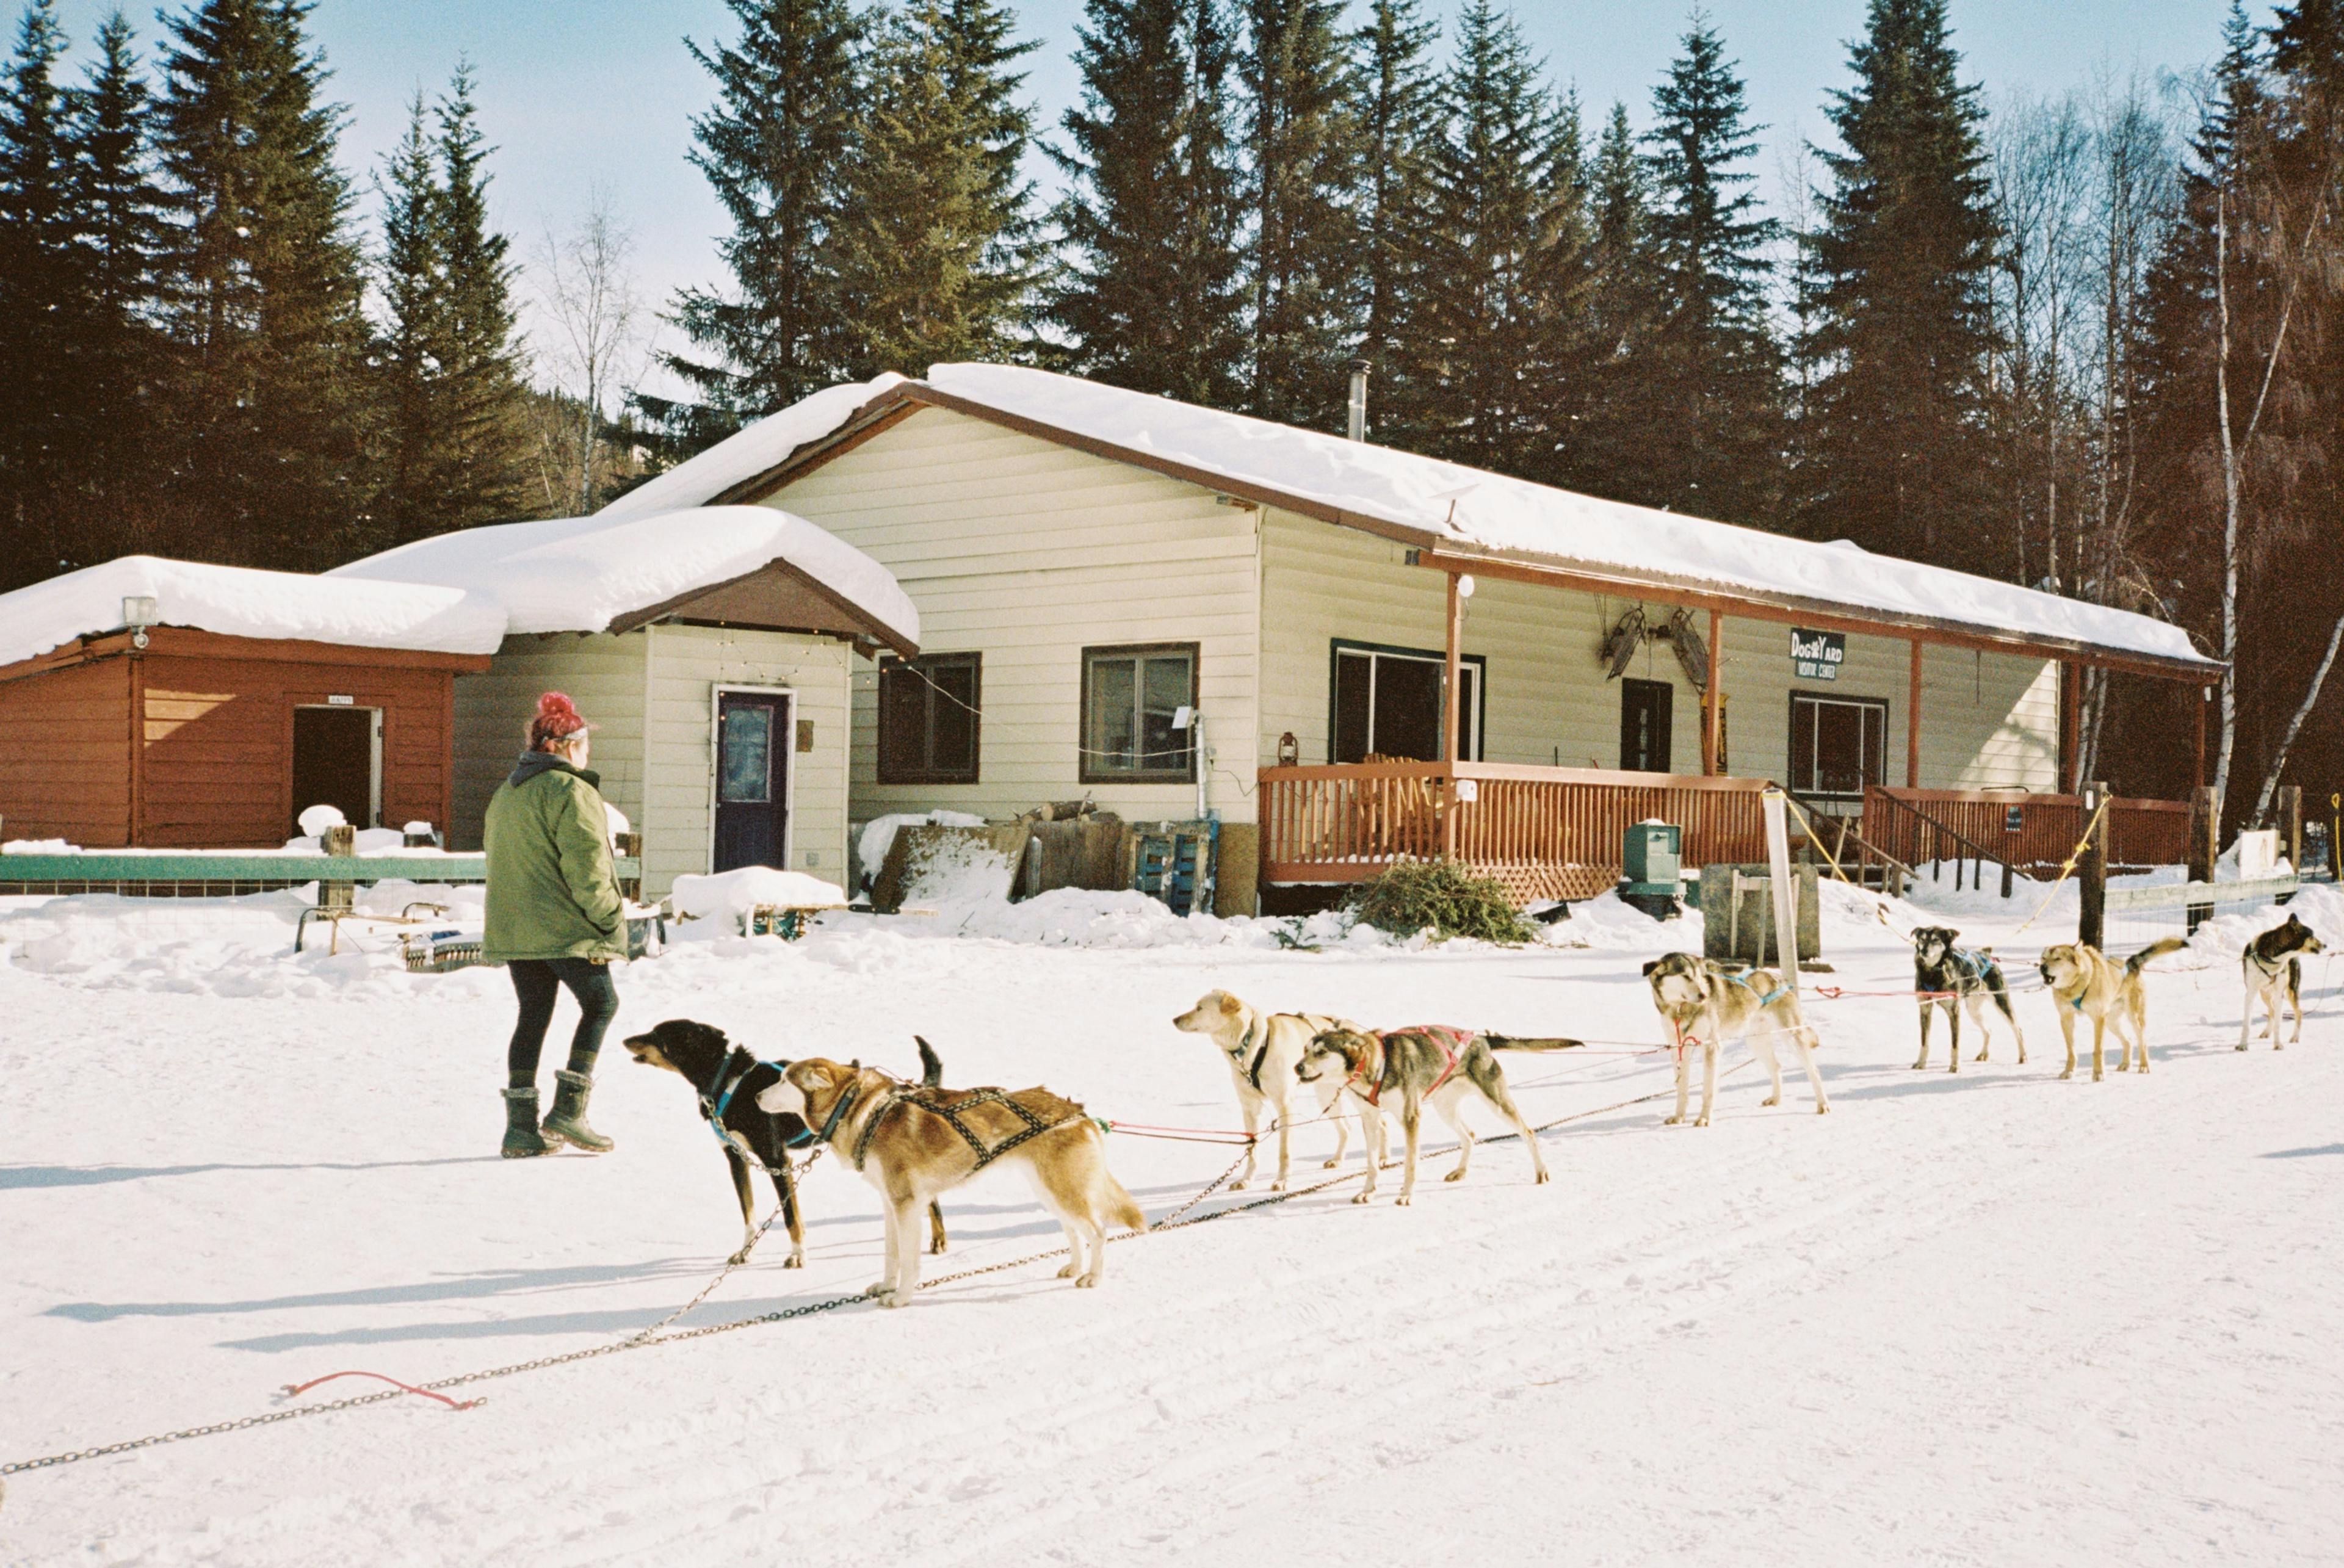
(65, 754)
(1028, 551)
(1992, 719)
(214, 768)
(657, 684)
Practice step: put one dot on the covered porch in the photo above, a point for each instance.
(1554, 831)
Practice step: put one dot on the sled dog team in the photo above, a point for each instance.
(914, 1143)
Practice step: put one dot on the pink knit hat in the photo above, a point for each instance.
(557, 719)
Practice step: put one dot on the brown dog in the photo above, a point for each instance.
(917, 1143)
(2086, 983)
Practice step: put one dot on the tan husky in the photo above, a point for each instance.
(1709, 1005)
(917, 1143)
(1262, 1050)
(2087, 983)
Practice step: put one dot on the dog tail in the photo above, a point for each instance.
(931, 1070)
(2159, 949)
(1512, 1043)
(1124, 1208)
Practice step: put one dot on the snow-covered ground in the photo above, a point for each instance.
(1991, 1318)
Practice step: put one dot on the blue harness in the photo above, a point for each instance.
(724, 1100)
(1770, 998)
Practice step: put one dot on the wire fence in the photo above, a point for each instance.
(2138, 917)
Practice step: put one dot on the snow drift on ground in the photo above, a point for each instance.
(580, 574)
(241, 601)
(1984, 1318)
(734, 893)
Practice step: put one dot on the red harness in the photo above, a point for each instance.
(1452, 1044)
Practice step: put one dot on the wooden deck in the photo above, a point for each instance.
(2033, 833)
(1544, 833)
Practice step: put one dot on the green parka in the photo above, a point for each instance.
(552, 891)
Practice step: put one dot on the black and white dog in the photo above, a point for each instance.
(2272, 969)
(1958, 979)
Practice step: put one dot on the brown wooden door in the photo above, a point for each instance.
(753, 777)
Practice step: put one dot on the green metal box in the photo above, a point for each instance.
(1649, 852)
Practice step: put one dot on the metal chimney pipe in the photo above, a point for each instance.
(1356, 424)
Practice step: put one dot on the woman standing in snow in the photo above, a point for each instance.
(554, 919)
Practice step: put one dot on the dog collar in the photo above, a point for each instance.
(853, 1092)
(714, 1108)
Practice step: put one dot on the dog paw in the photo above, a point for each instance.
(794, 1261)
(1702, 1120)
(1069, 1272)
(1542, 1179)
(896, 1299)
(875, 1292)
(1918, 1066)
(1236, 1187)
(1823, 1110)
(1979, 1058)
(1770, 1100)
(1278, 1186)
(1672, 1120)
(1402, 1201)
(2068, 1074)
(1454, 1176)
(1087, 1282)
(1365, 1197)
(737, 1258)
(1329, 1165)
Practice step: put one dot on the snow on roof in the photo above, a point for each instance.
(1479, 509)
(241, 601)
(753, 450)
(583, 573)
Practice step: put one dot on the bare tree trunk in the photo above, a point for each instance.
(2294, 727)
(2229, 504)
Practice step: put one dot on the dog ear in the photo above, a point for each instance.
(1231, 1005)
(1650, 967)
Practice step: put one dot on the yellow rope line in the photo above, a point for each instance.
(1808, 824)
(2068, 868)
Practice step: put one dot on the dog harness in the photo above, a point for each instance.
(949, 1104)
(714, 1106)
(1260, 1032)
(1767, 1000)
(1452, 1044)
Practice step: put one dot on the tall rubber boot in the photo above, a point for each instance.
(567, 1121)
(522, 1138)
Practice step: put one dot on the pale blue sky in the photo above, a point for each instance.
(579, 91)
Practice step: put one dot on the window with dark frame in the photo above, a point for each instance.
(1131, 695)
(1839, 746)
(928, 718)
(1386, 702)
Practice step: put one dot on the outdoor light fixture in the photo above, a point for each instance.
(139, 612)
(1464, 585)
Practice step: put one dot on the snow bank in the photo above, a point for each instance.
(238, 601)
(767, 444)
(40, 847)
(1488, 511)
(580, 574)
(1606, 924)
(734, 893)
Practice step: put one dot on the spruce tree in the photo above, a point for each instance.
(483, 460)
(1305, 156)
(1624, 303)
(1494, 362)
(119, 354)
(1397, 114)
(776, 148)
(38, 295)
(1898, 269)
(1711, 371)
(264, 288)
(1151, 296)
(935, 250)
(410, 276)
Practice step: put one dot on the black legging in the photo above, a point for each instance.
(537, 981)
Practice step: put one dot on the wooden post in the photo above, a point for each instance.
(1452, 726)
(2069, 704)
(2204, 830)
(1712, 698)
(2291, 823)
(1452, 717)
(1912, 724)
(2205, 700)
(2091, 870)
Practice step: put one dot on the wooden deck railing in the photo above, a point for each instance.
(1544, 833)
(2032, 832)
